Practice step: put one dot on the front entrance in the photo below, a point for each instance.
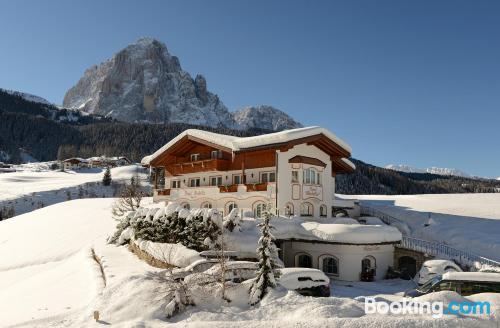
(408, 267)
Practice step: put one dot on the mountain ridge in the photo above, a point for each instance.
(145, 83)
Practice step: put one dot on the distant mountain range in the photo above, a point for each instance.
(27, 96)
(432, 170)
(145, 83)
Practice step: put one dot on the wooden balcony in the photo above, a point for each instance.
(217, 164)
(163, 192)
(257, 186)
(250, 187)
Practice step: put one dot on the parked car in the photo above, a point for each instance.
(464, 283)
(236, 271)
(195, 267)
(432, 268)
(306, 281)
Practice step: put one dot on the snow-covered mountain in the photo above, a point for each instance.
(264, 117)
(27, 96)
(432, 170)
(145, 83)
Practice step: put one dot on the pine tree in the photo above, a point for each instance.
(267, 274)
(106, 179)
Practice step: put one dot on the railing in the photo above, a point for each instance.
(216, 164)
(444, 251)
(426, 246)
(163, 192)
(250, 187)
(387, 219)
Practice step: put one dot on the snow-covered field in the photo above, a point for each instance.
(469, 222)
(49, 278)
(35, 185)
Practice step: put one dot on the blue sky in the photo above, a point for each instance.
(413, 82)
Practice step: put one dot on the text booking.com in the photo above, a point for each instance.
(435, 309)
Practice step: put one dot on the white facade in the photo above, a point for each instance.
(288, 190)
(348, 258)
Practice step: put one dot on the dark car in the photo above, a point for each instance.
(464, 283)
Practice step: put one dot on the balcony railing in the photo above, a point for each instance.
(163, 192)
(216, 164)
(250, 187)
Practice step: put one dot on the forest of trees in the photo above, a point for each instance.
(30, 126)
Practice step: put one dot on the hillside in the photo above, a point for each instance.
(45, 132)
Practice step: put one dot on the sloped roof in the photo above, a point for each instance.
(236, 144)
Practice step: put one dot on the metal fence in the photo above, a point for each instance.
(425, 246)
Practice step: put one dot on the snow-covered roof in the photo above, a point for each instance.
(242, 143)
(348, 162)
(297, 228)
(145, 160)
(472, 276)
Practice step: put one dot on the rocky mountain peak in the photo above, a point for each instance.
(265, 117)
(145, 83)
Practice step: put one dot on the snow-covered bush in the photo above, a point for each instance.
(195, 229)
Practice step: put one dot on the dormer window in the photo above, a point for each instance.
(195, 157)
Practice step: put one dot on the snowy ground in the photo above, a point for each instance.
(48, 278)
(35, 185)
(470, 222)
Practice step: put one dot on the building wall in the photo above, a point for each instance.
(298, 193)
(349, 257)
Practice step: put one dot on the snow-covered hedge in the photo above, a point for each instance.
(174, 254)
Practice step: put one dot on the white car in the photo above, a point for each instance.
(236, 271)
(306, 281)
(433, 268)
(195, 267)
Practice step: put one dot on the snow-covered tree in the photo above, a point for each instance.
(130, 198)
(106, 179)
(267, 273)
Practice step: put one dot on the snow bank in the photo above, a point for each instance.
(174, 254)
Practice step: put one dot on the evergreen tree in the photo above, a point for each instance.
(106, 179)
(267, 274)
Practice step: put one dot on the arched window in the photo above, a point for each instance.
(322, 210)
(306, 209)
(303, 260)
(368, 263)
(230, 206)
(258, 209)
(329, 264)
(289, 209)
(206, 205)
(186, 206)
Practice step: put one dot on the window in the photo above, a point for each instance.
(258, 210)
(306, 209)
(289, 209)
(216, 154)
(303, 260)
(268, 177)
(186, 206)
(216, 181)
(176, 184)
(368, 263)
(230, 206)
(194, 182)
(195, 157)
(206, 205)
(237, 179)
(322, 210)
(311, 176)
(295, 176)
(329, 265)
